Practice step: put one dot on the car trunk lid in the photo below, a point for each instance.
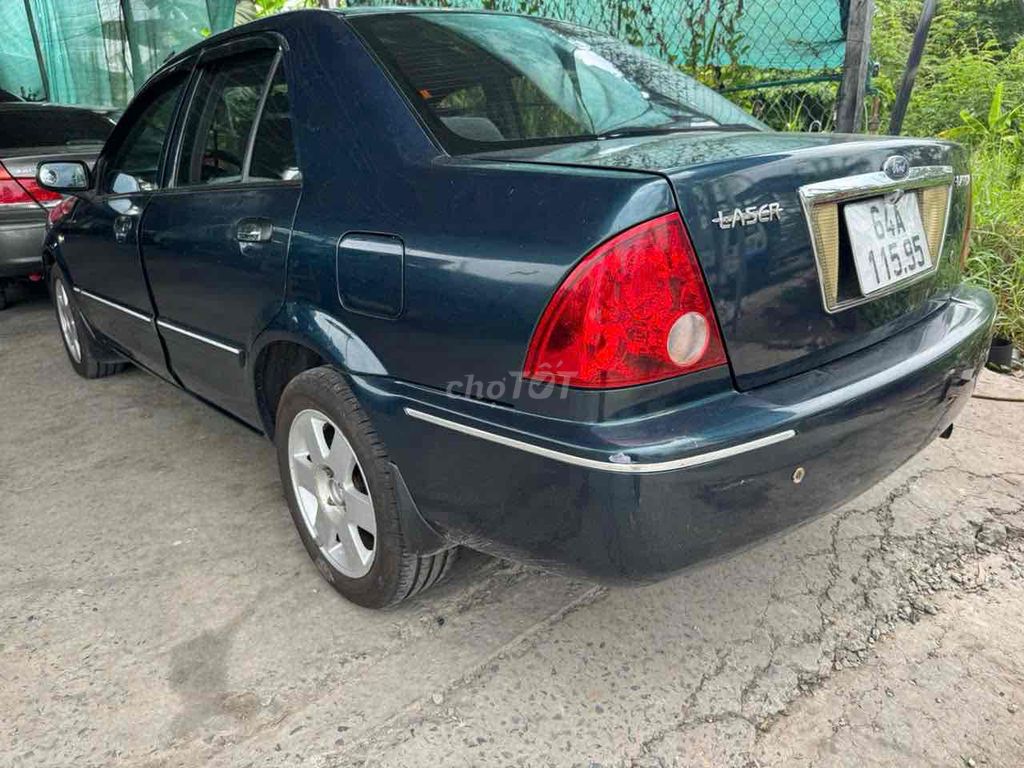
(765, 212)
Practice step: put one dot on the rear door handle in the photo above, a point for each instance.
(254, 231)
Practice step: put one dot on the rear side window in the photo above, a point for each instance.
(42, 127)
(223, 114)
(134, 164)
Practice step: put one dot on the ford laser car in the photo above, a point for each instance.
(507, 283)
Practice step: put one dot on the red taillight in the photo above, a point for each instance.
(40, 194)
(635, 310)
(61, 209)
(18, 191)
(11, 192)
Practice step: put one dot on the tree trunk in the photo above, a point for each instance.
(850, 103)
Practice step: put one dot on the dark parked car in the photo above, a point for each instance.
(507, 283)
(29, 134)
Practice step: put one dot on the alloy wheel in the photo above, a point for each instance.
(67, 323)
(332, 493)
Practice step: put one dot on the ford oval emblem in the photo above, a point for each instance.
(897, 167)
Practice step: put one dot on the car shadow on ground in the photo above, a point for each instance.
(22, 292)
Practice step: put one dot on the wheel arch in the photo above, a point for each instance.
(299, 338)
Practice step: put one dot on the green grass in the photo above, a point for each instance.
(997, 245)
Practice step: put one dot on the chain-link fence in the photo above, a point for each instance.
(780, 60)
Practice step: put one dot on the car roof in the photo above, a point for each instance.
(384, 10)
(389, 10)
(268, 23)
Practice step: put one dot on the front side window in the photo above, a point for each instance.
(223, 114)
(486, 81)
(134, 165)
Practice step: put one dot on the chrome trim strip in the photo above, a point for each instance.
(874, 184)
(114, 305)
(945, 224)
(198, 337)
(864, 185)
(605, 466)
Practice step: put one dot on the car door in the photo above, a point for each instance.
(100, 246)
(215, 243)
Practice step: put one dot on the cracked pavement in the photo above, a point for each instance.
(158, 610)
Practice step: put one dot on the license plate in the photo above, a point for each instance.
(888, 241)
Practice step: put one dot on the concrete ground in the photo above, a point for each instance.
(157, 609)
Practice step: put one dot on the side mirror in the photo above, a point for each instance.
(65, 176)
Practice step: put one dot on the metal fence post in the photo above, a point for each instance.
(44, 76)
(850, 103)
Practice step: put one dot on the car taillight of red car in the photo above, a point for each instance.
(24, 191)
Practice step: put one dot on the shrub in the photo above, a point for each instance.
(997, 257)
(970, 88)
(996, 261)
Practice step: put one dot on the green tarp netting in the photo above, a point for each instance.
(19, 68)
(97, 52)
(793, 35)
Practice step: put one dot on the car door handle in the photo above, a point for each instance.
(123, 226)
(254, 231)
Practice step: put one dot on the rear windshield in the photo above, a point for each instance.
(41, 127)
(493, 81)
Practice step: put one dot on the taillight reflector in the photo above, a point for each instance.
(634, 311)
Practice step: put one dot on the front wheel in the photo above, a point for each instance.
(83, 352)
(341, 493)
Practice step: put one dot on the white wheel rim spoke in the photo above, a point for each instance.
(330, 488)
(326, 529)
(359, 509)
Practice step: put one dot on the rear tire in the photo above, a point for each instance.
(83, 352)
(341, 493)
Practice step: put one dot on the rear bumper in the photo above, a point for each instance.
(703, 478)
(21, 242)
